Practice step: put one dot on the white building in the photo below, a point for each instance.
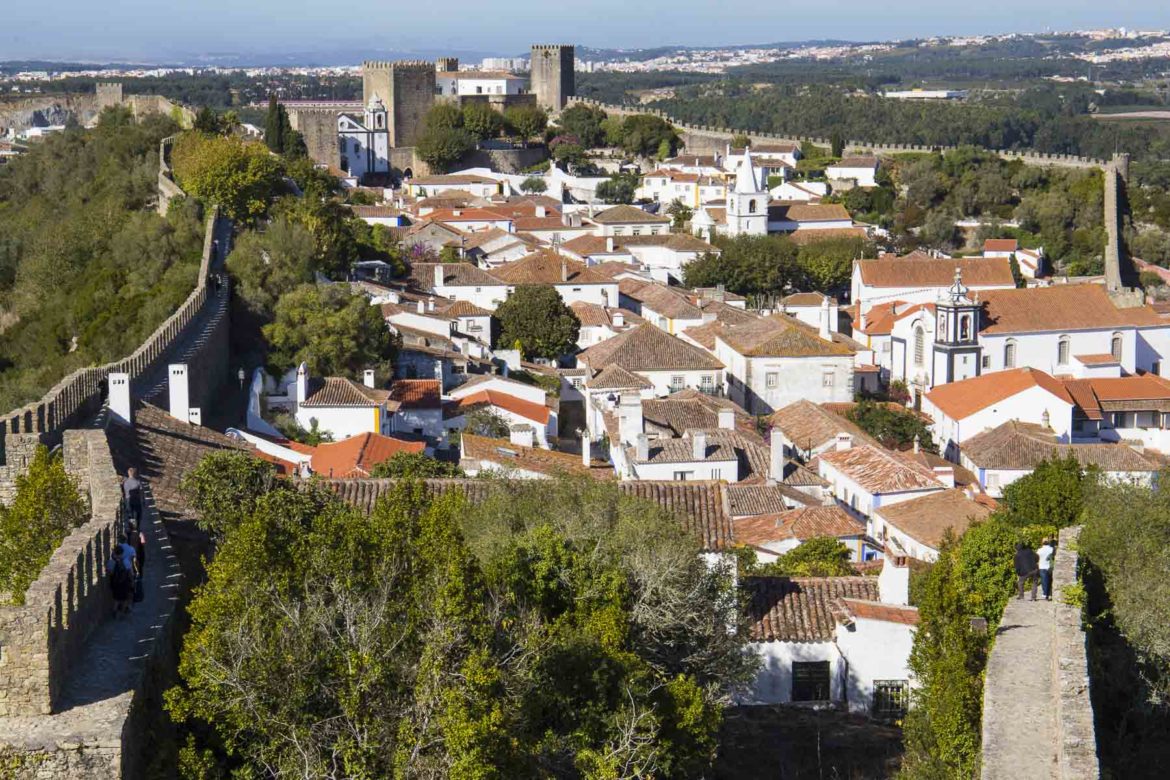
(747, 202)
(791, 217)
(858, 171)
(691, 189)
(340, 406)
(919, 278)
(572, 279)
(845, 640)
(480, 186)
(867, 477)
(772, 535)
(917, 526)
(472, 83)
(687, 459)
(364, 143)
(629, 221)
(417, 407)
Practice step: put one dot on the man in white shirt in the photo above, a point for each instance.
(1045, 554)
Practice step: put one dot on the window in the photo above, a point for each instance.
(987, 361)
(635, 231)
(716, 473)
(683, 476)
(965, 327)
(479, 90)
(1009, 354)
(919, 346)
(576, 382)
(810, 681)
(706, 382)
(751, 207)
(890, 699)
(827, 378)
(677, 383)
(1062, 351)
(771, 380)
(1115, 347)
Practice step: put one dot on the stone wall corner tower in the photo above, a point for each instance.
(407, 90)
(552, 75)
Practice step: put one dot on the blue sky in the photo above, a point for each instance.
(165, 30)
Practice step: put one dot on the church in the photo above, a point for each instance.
(364, 143)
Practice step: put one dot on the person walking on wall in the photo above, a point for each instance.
(121, 573)
(1026, 565)
(1044, 556)
(132, 494)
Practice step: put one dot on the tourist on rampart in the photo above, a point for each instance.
(132, 495)
(1044, 556)
(1027, 565)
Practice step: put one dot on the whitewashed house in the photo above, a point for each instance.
(856, 171)
(572, 279)
(480, 186)
(918, 526)
(919, 278)
(339, 406)
(866, 477)
(628, 221)
(364, 142)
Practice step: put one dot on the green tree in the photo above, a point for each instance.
(206, 121)
(241, 177)
(533, 185)
(482, 121)
(224, 487)
(828, 265)
(524, 122)
(836, 144)
(45, 508)
(444, 116)
(442, 147)
(584, 122)
(487, 422)
(415, 465)
(740, 141)
(619, 188)
(680, 213)
(820, 556)
(274, 125)
(647, 135)
(894, 428)
(334, 331)
(747, 265)
(335, 233)
(267, 265)
(537, 318)
(1053, 494)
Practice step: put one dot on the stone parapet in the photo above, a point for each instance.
(1076, 736)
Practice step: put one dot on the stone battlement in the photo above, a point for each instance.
(553, 46)
(398, 65)
(43, 637)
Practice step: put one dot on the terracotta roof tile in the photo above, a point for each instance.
(959, 400)
(614, 377)
(857, 161)
(550, 462)
(625, 215)
(1057, 308)
(779, 336)
(799, 524)
(340, 391)
(648, 348)
(417, 393)
(748, 500)
(927, 518)
(887, 613)
(808, 426)
(527, 409)
(934, 272)
(422, 275)
(878, 470)
(1000, 245)
(548, 267)
(807, 212)
(1020, 446)
(802, 609)
(682, 451)
(357, 455)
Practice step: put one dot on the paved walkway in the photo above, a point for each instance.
(98, 694)
(1019, 729)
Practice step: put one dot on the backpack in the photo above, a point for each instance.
(121, 578)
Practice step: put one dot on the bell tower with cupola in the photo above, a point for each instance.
(957, 353)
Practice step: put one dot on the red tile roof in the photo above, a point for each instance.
(887, 613)
(417, 393)
(802, 609)
(932, 272)
(542, 461)
(959, 400)
(527, 409)
(926, 519)
(357, 455)
(340, 391)
(1000, 245)
(1058, 308)
(878, 470)
(799, 524)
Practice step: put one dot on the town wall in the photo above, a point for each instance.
(706, 139)
(108, 94)
(44, 636)
(318, 126)
(80, 394)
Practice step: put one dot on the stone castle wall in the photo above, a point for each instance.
(553, 76)
(319, 128)
(43, 637)
(80, 394)
(705, 139)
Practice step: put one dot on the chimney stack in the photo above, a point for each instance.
(180, 392)
(564, 269)
(629, 417)
(431, 303)
(368, 377)
(119, 402)
(541, 212)
(523, 436)
(586, 447)
(945, 475)
(642, 448)
(726, 418)
(619, 319)
(844, 442)
(609, 243)
(422, 307)
(778, 461)
(438, 276)
(302, 390)
(826, 330)
(699, 445)
(894, 579)
(917, 444)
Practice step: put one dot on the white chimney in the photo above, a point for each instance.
(180, 393)
(195, 415)
(619, 320)
(422, 307)
(894, 580)
(945, 475)
(119, 402)
(844, 442)
(609, 243)
(438, 276)
(777, 460)
(564, 269)
(642, 448)
(302, 383)
(726, 418)
(431, 303)
(629, 417)
(541, 212)
(586, 447)
(699, 445)
(826, 330)
(368, 377)
(917, 444)
(523, 435)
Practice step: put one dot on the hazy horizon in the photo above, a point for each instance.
(165, 31)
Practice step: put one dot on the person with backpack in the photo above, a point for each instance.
(1027, 566)
(121, 574)
(132, 493)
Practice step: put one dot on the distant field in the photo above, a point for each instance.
(1146, 114)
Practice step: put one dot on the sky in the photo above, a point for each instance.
(169, 30)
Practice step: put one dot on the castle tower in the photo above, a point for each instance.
(407, 89)
(553, 76)
(747, 201)
(109, 93)
(447, 64)
(956, 334)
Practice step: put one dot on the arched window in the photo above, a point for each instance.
(919, 346)
(965, 327)
(1062, 351)
(751, 207)
(1115, 347)
(1009, 354)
